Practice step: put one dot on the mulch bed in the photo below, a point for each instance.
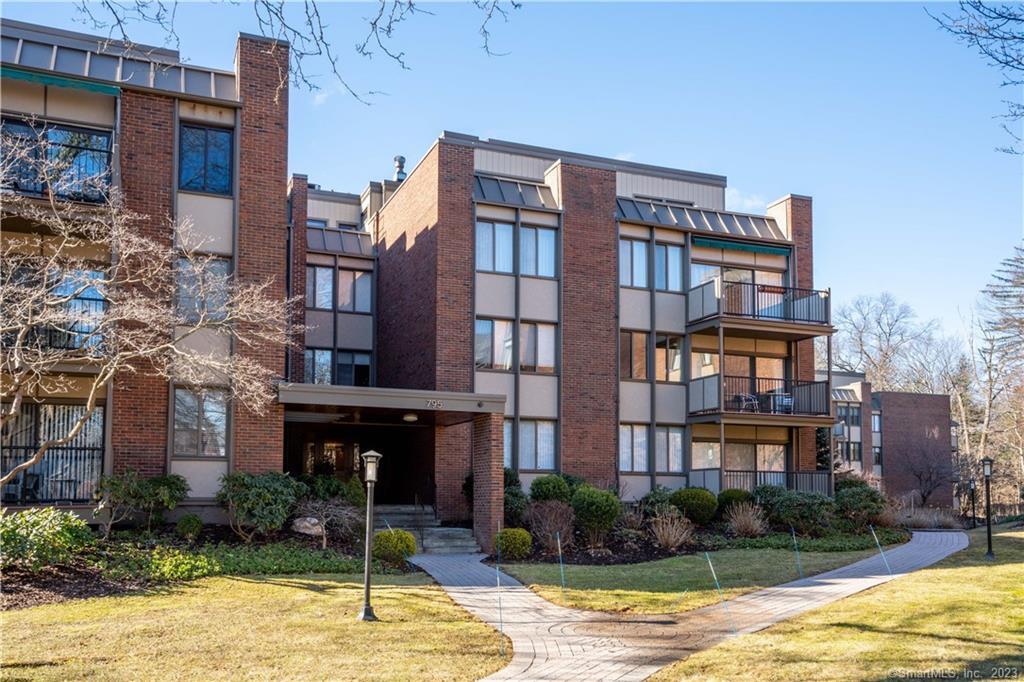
(54, 584)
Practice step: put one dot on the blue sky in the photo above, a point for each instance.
(886, 121)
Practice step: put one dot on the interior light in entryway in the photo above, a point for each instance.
(410, 417)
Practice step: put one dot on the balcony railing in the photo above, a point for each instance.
(67, 475)
(79, 329)
(759, 395)
(69, 163)
(804, 481)
(758, 302)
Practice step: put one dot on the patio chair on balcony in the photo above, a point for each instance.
(747, 402)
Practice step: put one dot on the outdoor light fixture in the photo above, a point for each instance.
(410, 417)
(986, 468)
(370, 461)
(973, 485)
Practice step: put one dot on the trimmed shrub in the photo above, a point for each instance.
(573, 482)
(516, 503)
(657, 501)
(671, 529)
(354, 491)
(596, 512)
(123, 495)
(551, 522)
(258, 503)
(697, 504)
(807, 513)
(321, 486)
(859, 505)
(746, 520)
(848, 482)
(189, 527)
(392, 547)
(513, 544)
(42, 536)
(512, 479)
(338, 518)
(162, 493)
(731, 496)
(550, 487)
(768, 496)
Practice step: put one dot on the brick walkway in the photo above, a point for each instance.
(556, 643)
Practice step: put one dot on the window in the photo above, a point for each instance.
(355, 289)
(537, 347)
(668, 267)
(493, 344)
(353, 369)
(81, 314)
(201, 288)
(703, 364)
(200, 423)
(854, 412)
(848, 412)
(632, 355)
(632, 263)
(702, 272)
(536, 445)
(633, 448)
(319, 287)
(876, 423)
(876, 455)
(316, 222)
(706, 455)
(317, 366)
(537, 251)
(507, 442)
(204, 159)
(494, 247)
(740, 456)
(668, 358)
(771, 457)
(854, 452)
(668, 449)
(77, 162)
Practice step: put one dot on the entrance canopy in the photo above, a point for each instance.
(383, 406)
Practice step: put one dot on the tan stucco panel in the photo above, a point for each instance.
(70, 104)
(538, 396)
(203, 476)
(23, 98)
(319, 259)
(495, 295)
(538, 299)
(497, 383)
(632, 487)
(66, 387)
(772, 347)
(206, 113)
(207, 342)
(662, 234)
(634, 309)
(634, 231)
(704, 342)
(538, 218)
(773, 434)
(740, 344)
(705, 431)
(499, 213)
(352, 263)
(635, 401)
(334, 212)
(206, 222)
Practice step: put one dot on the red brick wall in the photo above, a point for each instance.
(298, 204)
(801, 223)
(453, 446)
(140, 402)
(590, 392)
(258, 440)
(915, 435)
(488, 479)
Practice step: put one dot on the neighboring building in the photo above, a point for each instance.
(501, 305)
(908, 444)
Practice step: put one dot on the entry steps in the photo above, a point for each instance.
(431, 537)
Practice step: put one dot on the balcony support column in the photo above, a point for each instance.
(721, 456)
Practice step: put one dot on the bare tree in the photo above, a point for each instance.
(301, 24)
(86, 296)
(997, 33)
(930, 474)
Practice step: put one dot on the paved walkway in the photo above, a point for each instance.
(556, 643)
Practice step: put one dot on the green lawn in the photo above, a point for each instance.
(676, 584)
(294, 628)
(964, 613)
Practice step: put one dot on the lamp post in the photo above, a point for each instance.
(370, 462)
(986, 468)
(974, 509)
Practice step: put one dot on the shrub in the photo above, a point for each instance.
(671, 529)
(511, 481)
(768, 496)
(731, 496)
(807, 513)
(573, 482)
(258, 503)
(550, 487)
(516, 503)
(392, 547)
(859, 504)
(42, 536)
(162, 493)
(929, 518)
(746, 519)
(596, 512)
(835, 542)
(512, 478)
(631, 517)
(551, 522)
(120, 496)
(847, 482)
(189, 527)
(697, 504)
(354, 492)
(322, 486)
(657, 501)
(339, 519)
(513, 544)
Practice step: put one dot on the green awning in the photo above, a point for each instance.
(58, 81)
(741, 246)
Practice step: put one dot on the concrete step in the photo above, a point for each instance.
(449, 541)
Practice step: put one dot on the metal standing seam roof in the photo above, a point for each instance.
(514, 192)
(700, 219)
(845, 395)
(347, 242)
(78, 55)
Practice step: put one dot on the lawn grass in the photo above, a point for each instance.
(294, 628)
(964, 613)
(676, 584)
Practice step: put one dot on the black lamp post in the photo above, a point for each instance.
(974, 509)
(370, 461)
(986, 467)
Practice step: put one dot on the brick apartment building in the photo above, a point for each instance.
(905, 440)
(498, 305)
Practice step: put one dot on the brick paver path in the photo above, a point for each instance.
(555, 643)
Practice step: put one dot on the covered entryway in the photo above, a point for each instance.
(431, 440)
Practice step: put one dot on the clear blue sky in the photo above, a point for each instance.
(886, 121)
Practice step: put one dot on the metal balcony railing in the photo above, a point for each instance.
(73, 164)
(776, 396)
(66, 475)
(78, 332)
(759, 302)
(805, 481)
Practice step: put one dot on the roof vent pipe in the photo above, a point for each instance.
(399, 169)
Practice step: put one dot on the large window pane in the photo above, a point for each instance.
(625, 447)
(218, 161)
(527, 251)
(346, 290)
(364, 291)
(214, 424)
(639, 264)
(639, 363)
(546, 348)
(625, 263)
(640, 448)
(200, 423)
(660, 267)
(527, 347)
(546, 445)
(675, 450)
(675, 268)
(502, 247)
(318, 366)
(186, 423)
(205, 159)
(502, 344)
(661, 449)
(702, 272)
(703, 364)
(770, 368)
(527, 445)
(706, 455)
(361, 369)
(485, 246)
(546, 246)
(482, 343)
(771, 457)
(507, 442)
(202, 288)
(668, 358)
(739, 456)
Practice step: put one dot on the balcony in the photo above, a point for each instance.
(788, 311)
(804, 481)
(760, 399)
(78, 332)
(72, 164)
(65, 475)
